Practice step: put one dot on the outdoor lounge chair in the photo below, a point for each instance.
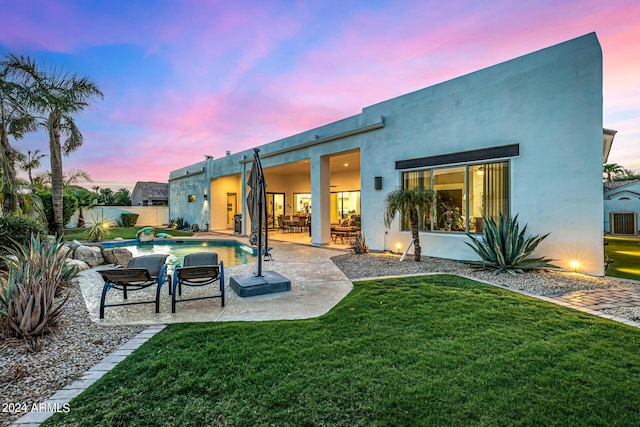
(141, 272)
(200, 269)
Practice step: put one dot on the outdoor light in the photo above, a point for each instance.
(377, 183)
(205, 197)
(574, 264)
(398, 247)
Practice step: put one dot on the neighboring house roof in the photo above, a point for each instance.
(152, 190)
(607, 142)
(613, 188)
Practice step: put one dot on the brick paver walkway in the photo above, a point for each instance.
(601, 299)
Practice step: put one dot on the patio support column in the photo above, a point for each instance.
(320, 201)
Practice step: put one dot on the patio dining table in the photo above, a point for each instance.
(290, 224)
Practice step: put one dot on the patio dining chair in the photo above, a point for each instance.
(141, 272)
(282, 225)
(199, 269)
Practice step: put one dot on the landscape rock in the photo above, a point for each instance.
(74, 244)
(64, 250)
(117, 256)
(92, 255)
(80, 265)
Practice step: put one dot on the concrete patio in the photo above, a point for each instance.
(316, 286)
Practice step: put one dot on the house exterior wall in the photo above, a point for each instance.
(622, 199)
(137, 198)
(549, 102)
(632, 205)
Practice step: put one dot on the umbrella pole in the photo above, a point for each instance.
(260, 209)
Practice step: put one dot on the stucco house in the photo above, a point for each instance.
(148, 193)
(621, 207)
(521, 137)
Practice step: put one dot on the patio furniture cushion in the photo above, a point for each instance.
(200, 269)
(141, 272)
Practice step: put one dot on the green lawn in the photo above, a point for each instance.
(124, 232)
(625, 253)
(417, 351)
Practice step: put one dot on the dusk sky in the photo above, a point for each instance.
(185, 79)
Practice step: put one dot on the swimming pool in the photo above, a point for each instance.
(230, 252)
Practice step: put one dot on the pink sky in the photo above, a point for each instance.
(192, 78)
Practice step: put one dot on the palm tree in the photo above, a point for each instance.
(31, 162)
(411, 204)
(15, 121)
(57, 96)
(86, 199)
(122, 197)
(76, 176)
(612, 169)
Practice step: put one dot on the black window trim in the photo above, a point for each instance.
(491, 153)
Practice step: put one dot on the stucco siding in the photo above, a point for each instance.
(548, 102)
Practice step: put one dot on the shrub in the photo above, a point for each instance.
(98, 230)
(69, 207)
(129, 219)
(178, 223)
(17, 230)
(504, 247)
(30, 291)
(359, 244)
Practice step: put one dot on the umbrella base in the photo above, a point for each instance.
(249, 285)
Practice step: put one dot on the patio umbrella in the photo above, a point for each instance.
(256, 201)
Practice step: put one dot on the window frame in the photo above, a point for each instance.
(466, 197)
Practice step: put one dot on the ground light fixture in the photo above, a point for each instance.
(574, 264)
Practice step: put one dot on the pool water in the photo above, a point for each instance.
(230, 252)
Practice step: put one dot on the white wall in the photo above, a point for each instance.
(149, 215)
(549, 102)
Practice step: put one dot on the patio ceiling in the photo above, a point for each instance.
(339, 162)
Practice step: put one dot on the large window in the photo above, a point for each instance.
(464, 195)
(302, 203)
(345, 204)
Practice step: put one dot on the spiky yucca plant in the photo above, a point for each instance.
(98, 230)
(30, 291)
(504, 247)
(359, 244)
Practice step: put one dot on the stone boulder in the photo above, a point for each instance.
(92, 255)
(74, 244)
(117, 256)
(80, 265)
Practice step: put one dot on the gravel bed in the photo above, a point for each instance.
(542, 282)
(28, 377)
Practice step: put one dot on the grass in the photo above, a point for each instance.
(124, 232)
(417, 351)
(625, 253)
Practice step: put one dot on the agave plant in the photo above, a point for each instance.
(30, 291)
(504, 247)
